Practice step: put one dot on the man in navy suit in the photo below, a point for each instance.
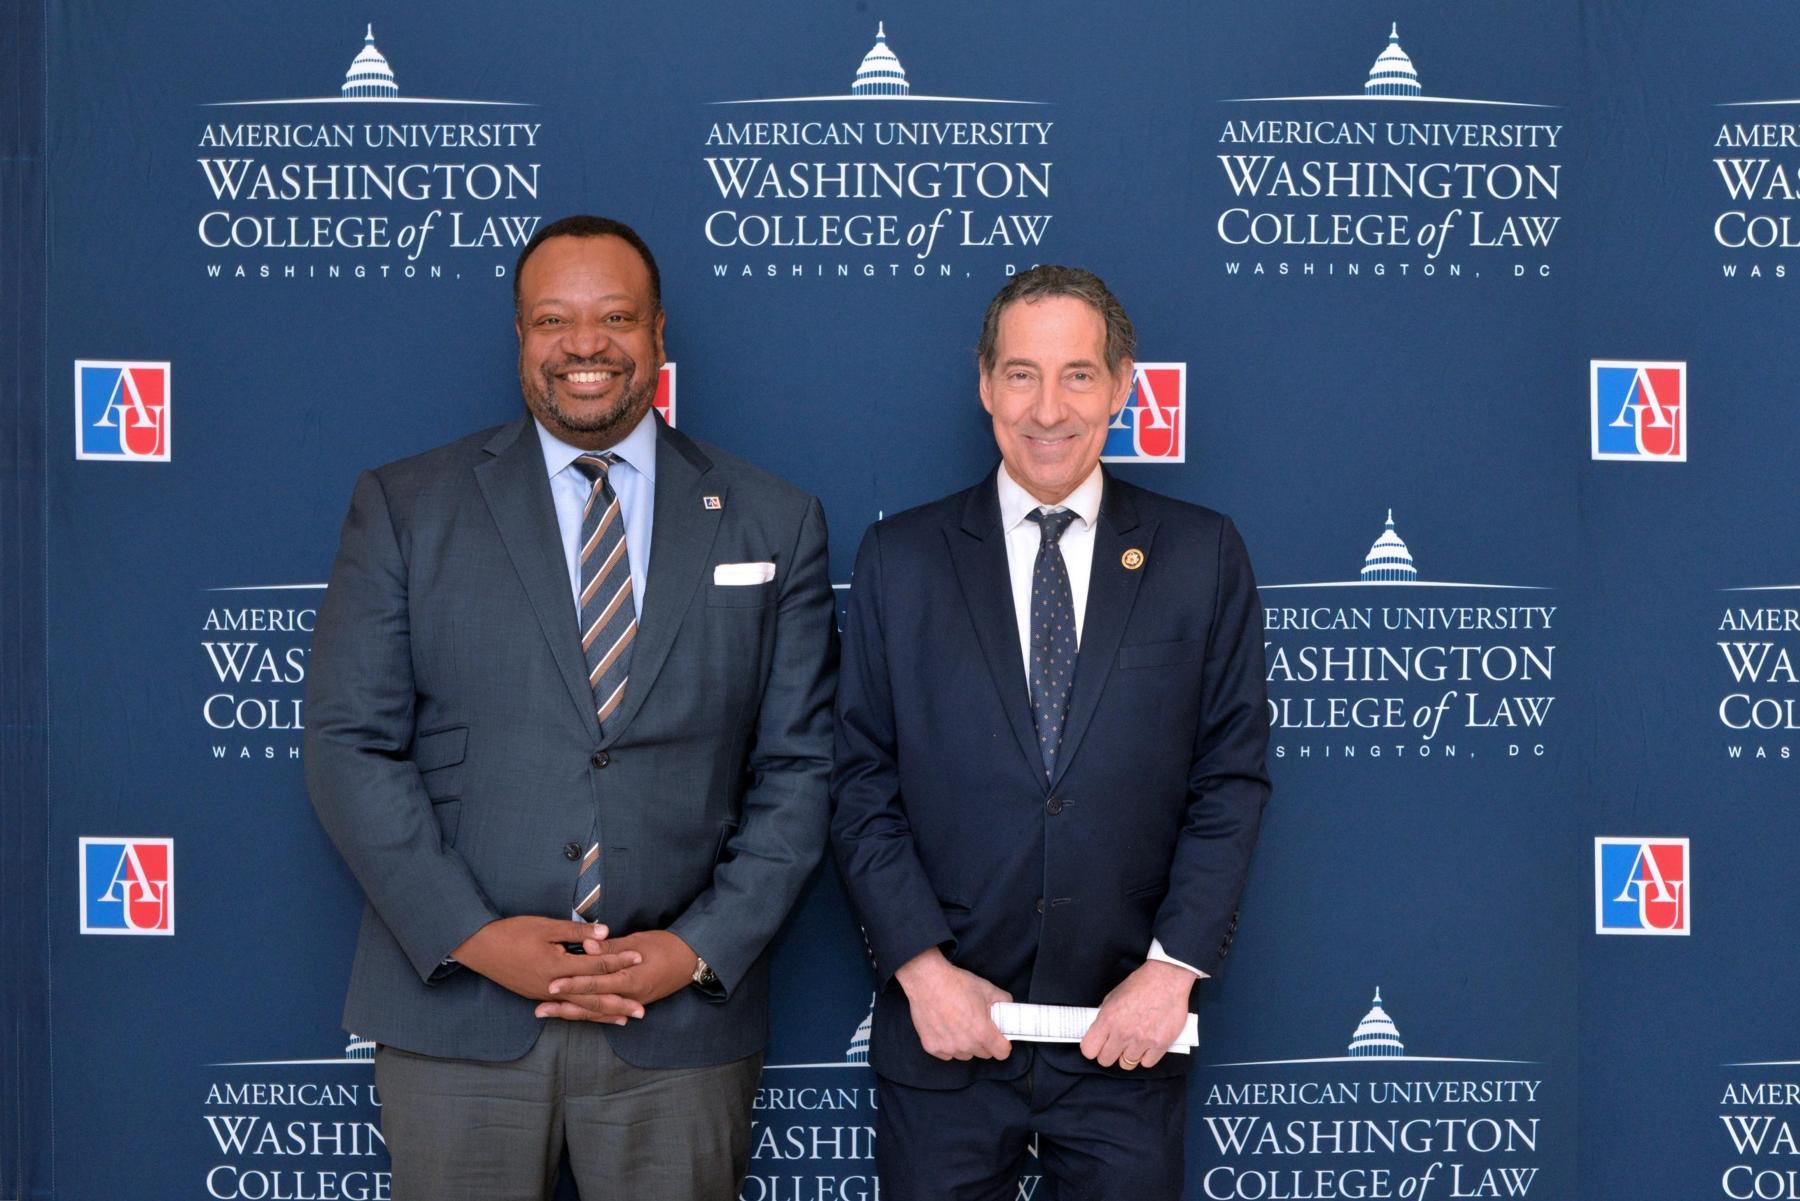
(573, 675)
(1049, 778)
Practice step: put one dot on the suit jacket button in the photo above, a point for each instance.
(1040, 904)
(1054, 805)
(600, 759)
(571, 851)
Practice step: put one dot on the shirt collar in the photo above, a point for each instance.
(1016, 503)
(638, 448)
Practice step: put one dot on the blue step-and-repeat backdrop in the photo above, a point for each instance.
(1424, 295)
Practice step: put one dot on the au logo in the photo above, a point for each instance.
(664, 403)
(127, 886)
(1638, 410)
(122, 411)
(1641, 886)
(1152, 427)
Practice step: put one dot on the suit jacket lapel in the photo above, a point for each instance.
(978, 551)
(1112, 589)
(681, 541)
(517, 490)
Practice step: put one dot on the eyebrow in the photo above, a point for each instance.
(1020, 362)
(543, 300)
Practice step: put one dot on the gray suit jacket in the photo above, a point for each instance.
(452, 751)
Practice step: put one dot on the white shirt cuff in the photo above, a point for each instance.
(1158, 955)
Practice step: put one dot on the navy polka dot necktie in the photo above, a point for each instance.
(1053, 643)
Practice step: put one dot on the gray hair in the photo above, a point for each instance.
(1049, 279)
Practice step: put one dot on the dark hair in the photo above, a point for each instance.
(1049, 279)
(583, 226)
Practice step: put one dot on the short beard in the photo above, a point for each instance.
(604, 428)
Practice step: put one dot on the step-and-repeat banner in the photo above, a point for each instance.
(1425, 295)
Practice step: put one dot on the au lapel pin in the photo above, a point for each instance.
(1132, 559)
(712, 502)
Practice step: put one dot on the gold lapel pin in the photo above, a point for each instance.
(1132, 559)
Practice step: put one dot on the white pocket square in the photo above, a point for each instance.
(743, 573)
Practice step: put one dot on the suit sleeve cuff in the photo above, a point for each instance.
(715, 989)
(1158, 955)
(901, 953)
(705, 939)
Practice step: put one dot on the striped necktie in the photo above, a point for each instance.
(608, 628)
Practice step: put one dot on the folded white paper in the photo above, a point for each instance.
(743, 573)
(1067, 1024)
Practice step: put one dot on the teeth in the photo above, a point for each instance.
(588, 377)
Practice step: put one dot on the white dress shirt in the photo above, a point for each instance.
(1077, 545)
(633, 480)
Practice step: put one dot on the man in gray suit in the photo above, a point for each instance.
(569, 725)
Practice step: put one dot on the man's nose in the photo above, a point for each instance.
(585, 339)
(1047, 406)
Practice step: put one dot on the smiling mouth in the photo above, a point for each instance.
(588, 377)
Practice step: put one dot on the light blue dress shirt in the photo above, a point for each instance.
(633, 479)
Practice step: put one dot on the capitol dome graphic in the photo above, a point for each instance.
(370, 80)
(1388, 561)
(359, 1048)
(1393, 73)
(1376, 1036)
(859, 1042)
(880, 73)
(878, 77)
(369, 74)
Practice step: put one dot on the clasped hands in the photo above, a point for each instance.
(951, 1010)
(612, 981)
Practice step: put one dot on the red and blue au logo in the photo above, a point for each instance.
(1152, 427)
(128, 886)
(1638, 410)
(122, 411)
(665, 393)
(1641, 886)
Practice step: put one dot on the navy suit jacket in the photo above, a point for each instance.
(946, 830)
(453, 755)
